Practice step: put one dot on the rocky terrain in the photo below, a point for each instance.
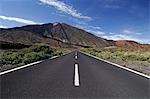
(54, 34)
(18, 44)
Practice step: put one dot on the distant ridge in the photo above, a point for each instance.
(60, 35)
(54, 34)
(127, 43)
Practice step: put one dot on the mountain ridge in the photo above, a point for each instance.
(58, 35)
(61, 33)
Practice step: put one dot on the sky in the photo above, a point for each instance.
(110, 19)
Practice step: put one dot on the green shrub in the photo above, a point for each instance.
(10, 57)
(28, 55)
(120, 54)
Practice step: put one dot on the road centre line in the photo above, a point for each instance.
(76, 57)
(76, 75)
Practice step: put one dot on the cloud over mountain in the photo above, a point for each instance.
(61, 6)
(19, 20)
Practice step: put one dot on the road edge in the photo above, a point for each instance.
(122, 67)
(27, 65)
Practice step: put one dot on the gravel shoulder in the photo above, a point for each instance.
(141, 66)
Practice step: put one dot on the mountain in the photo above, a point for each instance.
(132, 44)
(54, 34)
(127, 43)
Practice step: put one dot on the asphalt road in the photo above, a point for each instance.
(54, 79)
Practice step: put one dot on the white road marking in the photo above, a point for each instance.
(54, 57)
(76, 76)
(76, 57)
(24, 66)
(133, 71)
(76, 53)
(20, 67)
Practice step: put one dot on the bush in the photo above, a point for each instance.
(121, 54)
(9, 58)
(28, 55)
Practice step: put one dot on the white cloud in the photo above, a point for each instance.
(61, 6)
(114, 36)
(96, 32)
(112, 6)
(131, 32)
(147, 41)
(89, 27)
(125, 37)
(92, 29)
(127, 31)
(117, 37)
(95, 27)
(1, 26)
(16, 19)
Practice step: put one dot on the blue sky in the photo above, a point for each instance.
(110, 19)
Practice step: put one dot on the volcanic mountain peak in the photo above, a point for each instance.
(56, 23)
(56, 32)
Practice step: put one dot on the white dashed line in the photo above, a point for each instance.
(76, 76)
(76, 53)
(76, 57)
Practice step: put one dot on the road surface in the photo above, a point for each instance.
(72, 76)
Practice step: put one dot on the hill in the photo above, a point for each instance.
(54, 34)
(127, 43)
(131, 45)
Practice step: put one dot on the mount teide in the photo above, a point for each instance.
(54, 34)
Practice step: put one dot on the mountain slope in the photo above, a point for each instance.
(17, 36)
(53, 33)
(127, 43)
(133, 45)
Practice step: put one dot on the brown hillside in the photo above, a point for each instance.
(55, 34)
(127, 43)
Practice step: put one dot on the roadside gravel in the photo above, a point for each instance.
(141, 66)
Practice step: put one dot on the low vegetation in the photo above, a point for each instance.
(132, 57)
(24, 56)
(120, 54)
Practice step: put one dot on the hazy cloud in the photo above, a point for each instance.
(16, 19)
(125, 37)
(61, 6)
(92, 29)
(131, 32)
(95, 27)
(1, 26)
(112, 6)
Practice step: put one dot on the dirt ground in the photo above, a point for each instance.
(141, 66)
